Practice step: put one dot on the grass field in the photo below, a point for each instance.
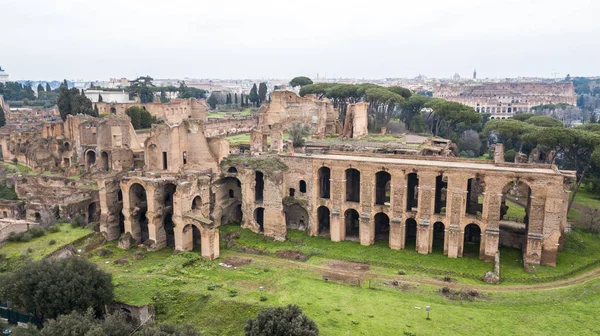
(41, 247)
(218, 300)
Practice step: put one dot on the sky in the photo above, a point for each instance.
(98, 40)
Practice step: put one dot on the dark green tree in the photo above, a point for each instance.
(190, 92)
(163, 97)
(544, 121)
(279, 321)
(298, 132)
(140, 117)
(64, 101)
(253, 96)
(49, 289)
(142, 88)
(410, 108)
(404, 92)
(300, 81)
(2, 117)
(100, 99)
(235, 98)
(212, 101)
(507, 132)
(48, 88)
(40, 89)
(262, 93)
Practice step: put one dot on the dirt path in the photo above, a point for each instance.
(576, 280)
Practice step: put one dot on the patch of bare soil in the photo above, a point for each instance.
(344, 278)
(348, 266)
(237, 262)
(251, 250)
(461, 294)
(403, 286)
(291, 255)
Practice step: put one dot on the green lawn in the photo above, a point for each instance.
(41, 247)
(515, 210)
(187, 288)
(16, 167)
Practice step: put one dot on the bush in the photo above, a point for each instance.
(26, 237)
(298, 132)
(289, 321)
(52, 242)
(68, 285)
(509, 155)
(77, 221)
(37, 232)
(94, 226)
(54, 229)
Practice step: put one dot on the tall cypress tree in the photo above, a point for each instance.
(48, 88)
(2, 117)
(235, 98)
(254, 95)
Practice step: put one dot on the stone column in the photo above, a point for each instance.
(335, 226)
(426, 201)
(209, 243)
(154, 215)
(490, 240)
(110, 207)
(535, 227)
(130, 227)
(367, 229)
(396, 233)
(454, 236)
(397, 208)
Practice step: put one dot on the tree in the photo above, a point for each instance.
(447, 114)
(289, 321)
(212, 101)
(382, 105)
(2, 117)
(190, 92)
(96, 111)
(404, 92)
(253, 96)
(469, 142)
(163, 97)
(577, 147)
(100, 99)
(140, 117)
(298, 132)
(262, 93)
(410, 108)
(40, 89)
(142, 88)
(544, 121)
(523, 116)
(235, 98)
(507, 131)
(49, 289)
(300, 81)
(64, 101)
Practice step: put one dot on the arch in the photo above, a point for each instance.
(67, 146)
(439, 235)
(382, 226)
(352, 185)
(138, 208)
(169, 194)
(515, 210)
(169, 227)
(93, 212)
(475, 190)
(90, 159)
(382, 187)
(259, 218)
(302, 186)
(441, 190)
(104, 161)
(472, 240)
(410, 233)
(259, 186)
(196, 203)
(113, 110)
(352, 224)
(296, 217)
(37, 216)
(232, 170)
(192, 237)
(324, 220)
(324, 182)
(228, 209)
(412, 192)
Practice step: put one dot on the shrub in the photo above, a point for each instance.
(298, 132)
(94, 226)
(52, 242)
(37, 232)
(401, 272)
(54, 229)
(47, 218)
(289, 321)
(26, 237)
(77, 221)
(263, 298)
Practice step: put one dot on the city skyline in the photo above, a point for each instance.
(265, 39)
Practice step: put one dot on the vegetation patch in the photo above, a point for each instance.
(265, 165)
(292, 255)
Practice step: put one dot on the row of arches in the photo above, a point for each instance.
(90, 160)
(383, 194)
(471, 241)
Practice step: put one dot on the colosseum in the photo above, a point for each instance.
(503, 100)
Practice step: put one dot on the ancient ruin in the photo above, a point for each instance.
(175, 185)
(503, 100)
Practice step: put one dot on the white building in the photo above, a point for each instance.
(108, 96)
(3, 76)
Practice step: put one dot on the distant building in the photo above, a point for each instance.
(3, 76)
(503, 100)
(108, 96)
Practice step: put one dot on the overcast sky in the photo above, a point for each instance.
(73, 39)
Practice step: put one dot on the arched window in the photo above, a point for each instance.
(302, 186)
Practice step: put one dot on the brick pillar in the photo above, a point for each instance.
(156, 233)
(425, 210)
(367, 229)
(535, 227)
(336, 225)
(454, 237)
(209, 243)
(396, 234)
(130, 227)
